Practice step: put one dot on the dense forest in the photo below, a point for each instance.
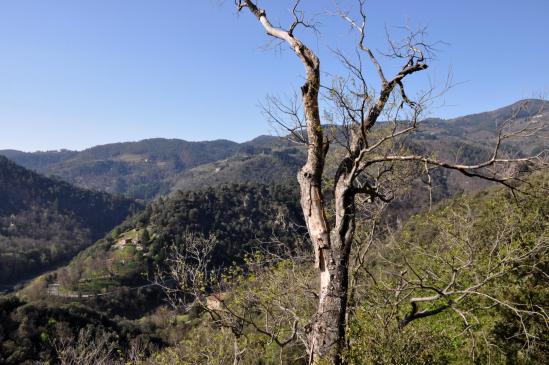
(44, 222)
(242, 218)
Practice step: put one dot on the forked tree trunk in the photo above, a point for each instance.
(332, 246)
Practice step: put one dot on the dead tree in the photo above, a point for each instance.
(360, 171)
(86, 348)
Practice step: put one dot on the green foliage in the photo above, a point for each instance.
(376, 339)
(262, 319)
(483, 260)
(29, 330)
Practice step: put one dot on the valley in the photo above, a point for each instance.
(106, 256)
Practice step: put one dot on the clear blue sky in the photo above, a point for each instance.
(74, 74)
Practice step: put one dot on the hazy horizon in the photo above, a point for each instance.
(209, 140)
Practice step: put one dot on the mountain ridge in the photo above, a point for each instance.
(156, 167)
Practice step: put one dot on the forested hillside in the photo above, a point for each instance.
(242, 218)
(258, 165)
(155, 167)
(44, 222)
(492, 229)
(137, 169)
(493, 237)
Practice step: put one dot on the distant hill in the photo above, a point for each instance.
(38, 160)
(138, 169)
(156, 167)
(468, 139)
(471, 139)
(44, 222)
(482, 128)
(267, 167)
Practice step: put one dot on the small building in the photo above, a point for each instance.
(53, 289)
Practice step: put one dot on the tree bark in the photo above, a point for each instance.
(328, 332)
(328, 336)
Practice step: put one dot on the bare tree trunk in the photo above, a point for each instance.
(329, 328)
(328, 332)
